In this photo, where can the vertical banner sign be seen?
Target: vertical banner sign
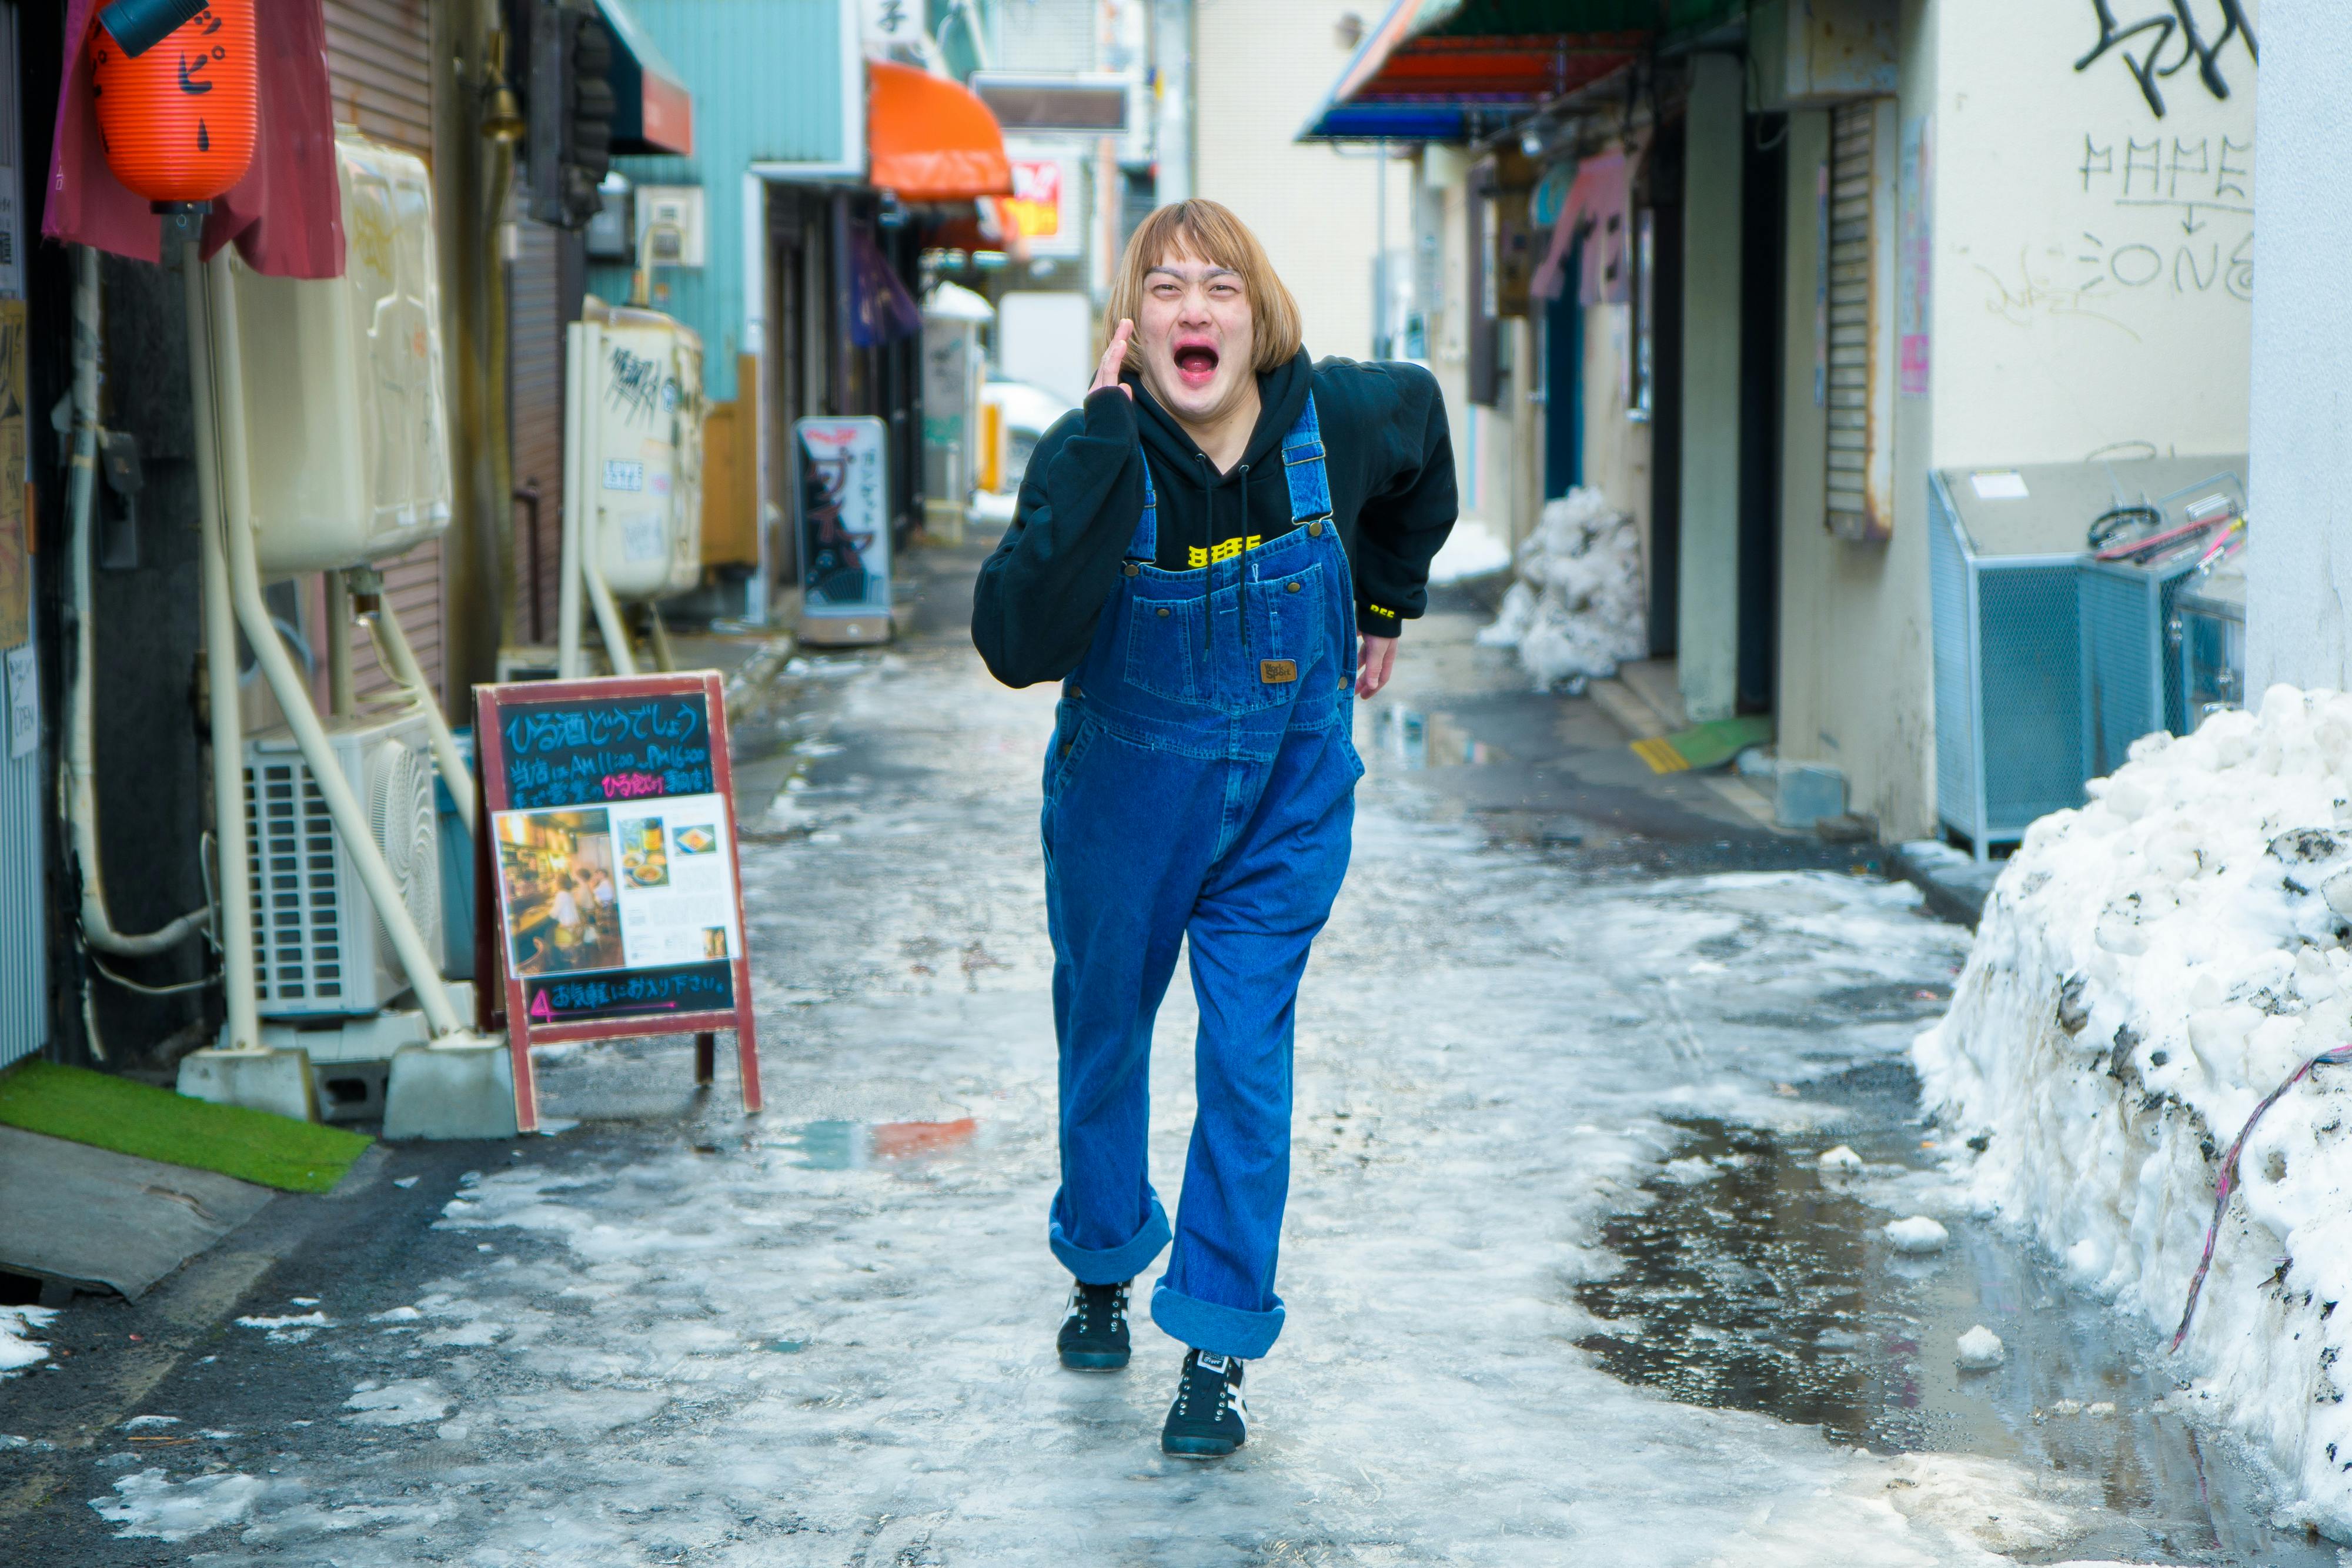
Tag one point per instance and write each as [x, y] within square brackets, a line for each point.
[841, 492]
[609, 808]
[1915, 256]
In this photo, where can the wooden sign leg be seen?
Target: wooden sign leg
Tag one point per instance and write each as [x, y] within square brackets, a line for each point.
[526, 1087]
[747, 1057]
[706, 1057]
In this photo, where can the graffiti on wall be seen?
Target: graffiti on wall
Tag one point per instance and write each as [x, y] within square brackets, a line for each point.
[2168, 41]
[2168, 218]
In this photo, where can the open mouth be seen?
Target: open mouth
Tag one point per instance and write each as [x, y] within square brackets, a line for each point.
[1196, 364]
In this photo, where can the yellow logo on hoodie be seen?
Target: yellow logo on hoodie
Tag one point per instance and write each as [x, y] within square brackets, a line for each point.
[1225, 551]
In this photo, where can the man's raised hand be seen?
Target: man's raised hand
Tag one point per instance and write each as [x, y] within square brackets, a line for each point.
[1106, 372]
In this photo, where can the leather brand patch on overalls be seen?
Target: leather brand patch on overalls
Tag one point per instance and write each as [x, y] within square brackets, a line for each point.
[1274, 672]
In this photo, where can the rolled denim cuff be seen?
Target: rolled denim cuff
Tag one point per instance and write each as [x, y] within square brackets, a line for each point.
[1220, 1330]
[1112, 1265]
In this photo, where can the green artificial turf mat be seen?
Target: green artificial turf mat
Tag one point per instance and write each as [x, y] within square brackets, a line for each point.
[110, 1113]
[1709, 745]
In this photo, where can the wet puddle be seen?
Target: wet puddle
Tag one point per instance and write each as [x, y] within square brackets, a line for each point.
[1752, 1282]
[860, 1146]
[1410, 739]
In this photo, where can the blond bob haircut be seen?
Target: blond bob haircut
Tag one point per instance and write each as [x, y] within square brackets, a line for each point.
[1208, 230]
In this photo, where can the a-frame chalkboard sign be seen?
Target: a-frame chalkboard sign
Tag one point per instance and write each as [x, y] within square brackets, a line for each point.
[608, 893]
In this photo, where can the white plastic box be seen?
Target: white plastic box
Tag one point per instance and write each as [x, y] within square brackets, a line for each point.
[643, 461]
[345, 412]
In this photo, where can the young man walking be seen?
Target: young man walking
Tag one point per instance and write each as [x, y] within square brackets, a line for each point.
[1215, 557]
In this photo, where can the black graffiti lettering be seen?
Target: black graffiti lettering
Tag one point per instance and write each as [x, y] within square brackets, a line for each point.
[2182, 151]
[2240, 279]
[2096, 160]
[2146, 264]
[635, 384]
[2149, 68]
[2144, 160]
[188, 84]
[2186, 261]
[2226, 176]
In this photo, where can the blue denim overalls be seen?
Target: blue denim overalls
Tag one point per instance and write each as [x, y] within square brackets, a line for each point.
[1200, 784]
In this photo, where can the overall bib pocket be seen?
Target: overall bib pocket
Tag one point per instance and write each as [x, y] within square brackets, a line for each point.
[1286, 639]
[1163, 647]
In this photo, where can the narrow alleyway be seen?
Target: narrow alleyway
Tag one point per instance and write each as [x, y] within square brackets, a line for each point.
[672, 1335]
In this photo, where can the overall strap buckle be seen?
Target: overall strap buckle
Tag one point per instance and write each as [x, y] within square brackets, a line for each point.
[1303, 465]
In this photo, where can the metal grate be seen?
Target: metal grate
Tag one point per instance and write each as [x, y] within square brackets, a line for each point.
[24, 929]
[2030, 685]
[297, 883]
[2131, 679]
[2010, 729]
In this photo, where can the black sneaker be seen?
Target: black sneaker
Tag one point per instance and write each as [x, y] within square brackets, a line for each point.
[1094, 1331]
[1208, 1420]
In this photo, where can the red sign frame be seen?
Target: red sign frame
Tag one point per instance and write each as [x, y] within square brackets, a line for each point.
[491, 942]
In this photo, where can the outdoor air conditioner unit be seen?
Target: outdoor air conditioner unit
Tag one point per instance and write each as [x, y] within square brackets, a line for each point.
[2006, 549]
[319, 948]
[2001, 556]
[2131, 664]
[643, 416]
[342, 382]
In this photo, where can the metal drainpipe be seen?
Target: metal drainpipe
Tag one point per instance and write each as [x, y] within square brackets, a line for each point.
[342, 691]
[79, 782]
[230, 852]
[253, 613]
[580, 342]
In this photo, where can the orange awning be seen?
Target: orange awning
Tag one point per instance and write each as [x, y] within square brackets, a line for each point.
[929, 140]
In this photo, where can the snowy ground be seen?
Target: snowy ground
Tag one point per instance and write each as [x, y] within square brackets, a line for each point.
[824, 1336]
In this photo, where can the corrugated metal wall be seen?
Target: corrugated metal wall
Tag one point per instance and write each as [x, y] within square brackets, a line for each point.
[766, 77]
[535, 419]
[24, 924]
[379, 67]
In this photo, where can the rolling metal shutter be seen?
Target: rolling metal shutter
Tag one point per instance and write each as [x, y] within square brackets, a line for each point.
[1860, 267]
[379, 68]
[535, 424]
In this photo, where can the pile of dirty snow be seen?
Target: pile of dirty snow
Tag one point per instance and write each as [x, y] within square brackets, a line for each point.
[1575, 611]
[2148, 968]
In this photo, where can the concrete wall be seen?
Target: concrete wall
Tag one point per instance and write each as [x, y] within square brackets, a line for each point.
[1616, 449]
[1708, 650]
[1258, 72]
[2298, 588]
[2065, 312]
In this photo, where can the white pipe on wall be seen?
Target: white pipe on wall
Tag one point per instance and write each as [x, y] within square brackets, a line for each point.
[231, 854]
[343, 691]
[392, 646]
[80, 782]
[579, 343]
[286, 681]
[608, 618]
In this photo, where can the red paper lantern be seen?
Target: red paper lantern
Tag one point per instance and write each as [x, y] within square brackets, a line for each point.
[180, 120]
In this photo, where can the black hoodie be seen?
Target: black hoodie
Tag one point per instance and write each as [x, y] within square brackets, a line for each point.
[1391, 462]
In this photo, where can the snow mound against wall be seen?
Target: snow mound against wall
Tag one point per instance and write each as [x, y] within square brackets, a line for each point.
[2148, 967]
[1576, 611]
